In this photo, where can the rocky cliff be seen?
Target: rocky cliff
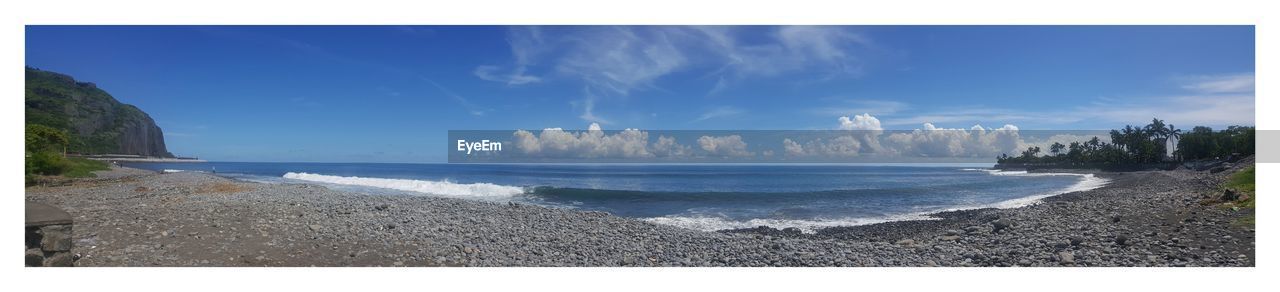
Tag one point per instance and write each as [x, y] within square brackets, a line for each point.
[96, 122]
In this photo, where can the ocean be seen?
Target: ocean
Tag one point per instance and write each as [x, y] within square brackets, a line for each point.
[697, 196]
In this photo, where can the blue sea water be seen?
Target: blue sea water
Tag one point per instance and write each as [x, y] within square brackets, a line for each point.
[698, 196]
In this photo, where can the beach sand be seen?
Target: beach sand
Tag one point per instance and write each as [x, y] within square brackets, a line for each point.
[129, 217]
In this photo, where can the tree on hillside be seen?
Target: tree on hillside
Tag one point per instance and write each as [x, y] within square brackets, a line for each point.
[44, 138]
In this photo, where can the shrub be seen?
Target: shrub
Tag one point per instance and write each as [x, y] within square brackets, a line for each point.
[47, 163]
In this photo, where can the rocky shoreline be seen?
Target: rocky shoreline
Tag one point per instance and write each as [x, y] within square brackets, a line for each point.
[136, 218]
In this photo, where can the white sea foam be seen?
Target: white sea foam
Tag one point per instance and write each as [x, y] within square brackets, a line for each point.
[1087, 182]
[711, 223]
[171, 170]
[444, 188]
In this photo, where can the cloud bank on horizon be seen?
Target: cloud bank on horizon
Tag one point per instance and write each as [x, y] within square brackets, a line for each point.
[853, 137]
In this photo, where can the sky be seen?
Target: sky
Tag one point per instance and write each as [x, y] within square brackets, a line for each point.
[391, 93]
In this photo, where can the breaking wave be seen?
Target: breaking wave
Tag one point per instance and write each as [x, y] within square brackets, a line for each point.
[710, 223]
[443, 188]
[1088, 181]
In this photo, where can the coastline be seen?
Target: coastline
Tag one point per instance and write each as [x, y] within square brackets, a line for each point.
[149, 160]
[193, 219]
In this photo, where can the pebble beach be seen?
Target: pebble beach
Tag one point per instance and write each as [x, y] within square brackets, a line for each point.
[130, 217]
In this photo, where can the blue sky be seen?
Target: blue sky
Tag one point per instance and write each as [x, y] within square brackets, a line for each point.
[390, 93]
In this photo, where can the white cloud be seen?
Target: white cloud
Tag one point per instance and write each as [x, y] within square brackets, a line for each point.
[842, 146]
[829, 50]
[471, 108]
[613, 62]
[619, 60]
[592, 143]
[595, 143]
[931, 141]
[859, 136]
[1213, 100]
[1220, 110]
[1205, 109]
[865, 129]
[720, 86]
[667, 147]
[719, 112]
[864, 122]
[865, 136]
[731, 145]
[588, 104]
[1232, 83]
[792, 148]
[516, 77]
[527, 45]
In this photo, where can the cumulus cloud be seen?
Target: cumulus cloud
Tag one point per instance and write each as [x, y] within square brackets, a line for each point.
[592, 143]
[932, 141]
[595, 143]
[843, 146]
[731, 145]
[856, 136]
[667, 147]
[866, 130]
[866, 136]
[860, 122]
[792, 148]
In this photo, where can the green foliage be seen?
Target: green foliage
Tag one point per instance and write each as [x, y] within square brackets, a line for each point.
[1243, 182]
[80, 167]
[1142, 145]
[1203, 142]
[44, 146]
[45, 138]
[47, 163]
[52, 163]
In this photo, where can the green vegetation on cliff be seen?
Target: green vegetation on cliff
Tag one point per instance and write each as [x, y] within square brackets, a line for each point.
[94, 122]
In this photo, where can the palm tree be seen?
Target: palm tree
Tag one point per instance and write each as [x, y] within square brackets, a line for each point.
[1157, 128]
[1175, 133]
[1056, 148]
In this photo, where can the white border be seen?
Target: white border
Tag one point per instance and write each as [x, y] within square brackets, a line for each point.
[19, 13]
